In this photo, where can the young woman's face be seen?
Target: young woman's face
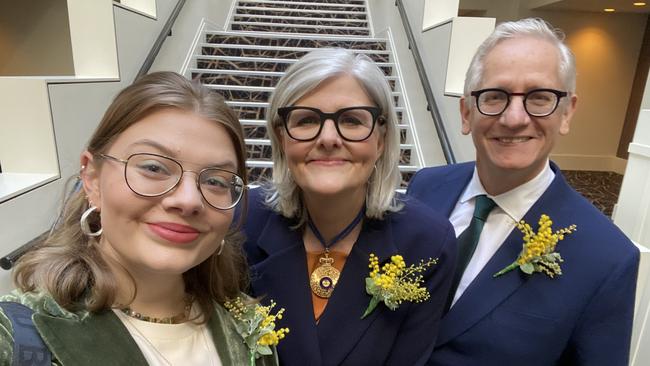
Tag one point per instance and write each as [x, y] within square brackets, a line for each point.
[176, 231]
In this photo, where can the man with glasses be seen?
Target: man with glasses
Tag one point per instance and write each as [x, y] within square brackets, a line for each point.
[527, 295]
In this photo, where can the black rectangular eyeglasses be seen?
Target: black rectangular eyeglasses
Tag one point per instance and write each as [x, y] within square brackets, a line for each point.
[352, 123]
[537, 102]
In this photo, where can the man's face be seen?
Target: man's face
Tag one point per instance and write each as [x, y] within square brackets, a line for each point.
[514, 146]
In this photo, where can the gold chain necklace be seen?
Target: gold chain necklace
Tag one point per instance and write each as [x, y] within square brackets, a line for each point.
[174, 319]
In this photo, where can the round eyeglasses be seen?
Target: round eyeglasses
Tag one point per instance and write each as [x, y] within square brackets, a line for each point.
[352, 124]
[537, 102]
[152, 175]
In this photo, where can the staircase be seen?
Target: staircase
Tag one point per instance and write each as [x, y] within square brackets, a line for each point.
[264, 38]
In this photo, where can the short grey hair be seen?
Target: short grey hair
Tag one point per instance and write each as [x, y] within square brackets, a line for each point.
[529, 27]
[307, 74]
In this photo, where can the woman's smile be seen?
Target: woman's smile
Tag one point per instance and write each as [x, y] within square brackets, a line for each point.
[175, 233]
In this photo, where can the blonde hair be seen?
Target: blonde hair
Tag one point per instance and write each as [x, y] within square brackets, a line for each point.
[308, 74]
[69, 265]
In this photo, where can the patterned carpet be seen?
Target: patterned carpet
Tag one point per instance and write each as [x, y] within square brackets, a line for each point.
[601, 188]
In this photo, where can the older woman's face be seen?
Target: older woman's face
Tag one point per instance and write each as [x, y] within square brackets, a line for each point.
[330, 165]
[172, 233]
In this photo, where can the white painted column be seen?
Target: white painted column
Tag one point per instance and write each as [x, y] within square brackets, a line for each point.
[632, 215]
[92, 35]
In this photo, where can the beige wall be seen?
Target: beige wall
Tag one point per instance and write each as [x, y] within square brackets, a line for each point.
[92, 35]
[26, 134]
[607, 48]
[147, 7]
[35, 38]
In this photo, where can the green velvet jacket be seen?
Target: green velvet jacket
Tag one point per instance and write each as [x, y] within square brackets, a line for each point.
[99, 339]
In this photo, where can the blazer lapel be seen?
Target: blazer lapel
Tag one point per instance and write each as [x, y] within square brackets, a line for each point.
[340, 327]
[283, 277]
[449, 189]
[98, 339]
[486, 292]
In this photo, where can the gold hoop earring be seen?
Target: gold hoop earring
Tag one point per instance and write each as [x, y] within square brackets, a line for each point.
[85, 227]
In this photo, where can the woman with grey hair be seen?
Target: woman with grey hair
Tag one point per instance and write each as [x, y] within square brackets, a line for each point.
[329, 239]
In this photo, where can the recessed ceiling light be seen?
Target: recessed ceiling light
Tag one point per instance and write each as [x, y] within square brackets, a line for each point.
[609, 10]
[638, 4]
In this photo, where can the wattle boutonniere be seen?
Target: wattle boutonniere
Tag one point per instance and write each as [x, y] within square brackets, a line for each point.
[256, 324]
[538, 253]
[395, 283]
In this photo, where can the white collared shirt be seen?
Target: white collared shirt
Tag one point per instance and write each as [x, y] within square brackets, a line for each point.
[511, 208]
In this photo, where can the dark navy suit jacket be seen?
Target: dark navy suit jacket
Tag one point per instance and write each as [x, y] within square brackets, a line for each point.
[583, 317]
[405, 336]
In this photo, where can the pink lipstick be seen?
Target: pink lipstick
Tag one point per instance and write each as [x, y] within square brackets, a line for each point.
[175, 233]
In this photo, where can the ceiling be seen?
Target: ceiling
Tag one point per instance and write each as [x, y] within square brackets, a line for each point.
[621, 6]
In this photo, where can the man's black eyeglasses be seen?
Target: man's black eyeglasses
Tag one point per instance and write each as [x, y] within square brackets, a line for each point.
[537, 102]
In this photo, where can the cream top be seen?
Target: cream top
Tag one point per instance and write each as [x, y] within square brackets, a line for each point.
[172, 344]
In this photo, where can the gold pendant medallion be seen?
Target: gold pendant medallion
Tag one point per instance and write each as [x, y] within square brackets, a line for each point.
[324, 278]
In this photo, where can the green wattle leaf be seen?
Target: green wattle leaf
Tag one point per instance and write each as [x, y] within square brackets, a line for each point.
[264, 350]
[374, 301]
[527, 268]
[370, 286]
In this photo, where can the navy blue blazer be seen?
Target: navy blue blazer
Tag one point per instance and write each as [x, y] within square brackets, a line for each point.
[405, 336]
[583, 317]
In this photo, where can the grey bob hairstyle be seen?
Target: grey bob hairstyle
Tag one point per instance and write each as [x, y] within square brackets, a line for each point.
[306, 75]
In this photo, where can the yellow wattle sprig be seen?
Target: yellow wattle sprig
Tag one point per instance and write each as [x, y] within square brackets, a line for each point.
[395, 282]
[256, 324]
[273, 338]
[538, 253]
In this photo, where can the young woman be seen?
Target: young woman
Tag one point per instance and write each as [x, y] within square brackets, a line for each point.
[146, 254]
[331, 205]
